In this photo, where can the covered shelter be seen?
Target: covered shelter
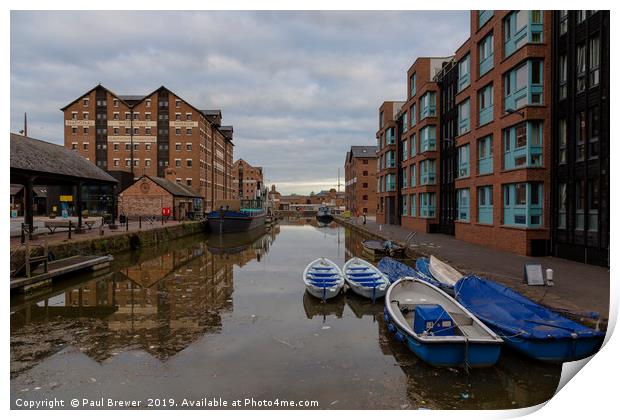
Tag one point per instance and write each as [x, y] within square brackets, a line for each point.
[42, 163]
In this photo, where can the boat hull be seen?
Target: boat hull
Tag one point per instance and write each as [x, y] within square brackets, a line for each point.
[553, 351]
[325, 218]
[233, 222]
[446, 354]
[324, 293]
[368, 292]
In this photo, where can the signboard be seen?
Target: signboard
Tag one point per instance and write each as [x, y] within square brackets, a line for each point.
[66, 198]
[533, 274]
[13, 214]
[165, 211]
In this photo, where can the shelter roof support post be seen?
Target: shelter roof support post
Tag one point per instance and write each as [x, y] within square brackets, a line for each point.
[28, 213]
[78, 204]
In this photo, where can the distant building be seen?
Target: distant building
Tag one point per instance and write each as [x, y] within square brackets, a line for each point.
[360, 169]
[330, 198]
[248, 181]
[134, 135]
[149, 196]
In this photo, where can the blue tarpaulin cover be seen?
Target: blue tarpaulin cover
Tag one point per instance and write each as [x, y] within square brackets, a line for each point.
[501, 307]
[395, 269]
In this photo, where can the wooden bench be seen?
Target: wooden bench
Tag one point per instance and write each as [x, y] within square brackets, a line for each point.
[52, 226]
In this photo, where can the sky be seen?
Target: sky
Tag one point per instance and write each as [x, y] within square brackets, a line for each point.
[299, 88]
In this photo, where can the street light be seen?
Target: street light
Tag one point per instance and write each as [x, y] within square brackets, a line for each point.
[512, 111]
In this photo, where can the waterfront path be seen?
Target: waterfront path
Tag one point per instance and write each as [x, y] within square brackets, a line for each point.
[578, 287]
[61, 235]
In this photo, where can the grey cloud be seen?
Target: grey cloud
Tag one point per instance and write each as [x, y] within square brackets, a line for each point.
[299, 87]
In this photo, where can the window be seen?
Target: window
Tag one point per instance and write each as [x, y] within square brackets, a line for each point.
[127, 146]
[521, 27]
[580, 136]
[74, 130]
[427, 205]
[595, 60]
[127, 163]
[188, 146]
[463, 117]
[381, 119]
[136, 116]
[147, 131]
[581, 16]
[127, 115]
[188, 116]
[405, 199]
[594, 130]
[389, 136]
[85, 130]
[405, 155]
[365, 173]
[523, 204]
[365, 185]
[115, 103]
[428, 140]
[85, 102]
[563, 21]
[84, 115]
[188, 181]
[117, 162]
[136, 131]
[563, 76]
[177, 116]
[412, 205]
[405, 121]
[147, 146]
[563, 155]
[74, 115]
[483, 17]
[147, 103]
[390, 182]
[485, 55]
[403, 178]
[580, 204]
[412, 112]
[116, 131]
[523, 145]
[413, 145]
[462, 207]
[147, 162]
[562, 206]
[136, 162]
[485, 155]
[523, 85]
[427, 172]
[463, 161]
[412, 175]
[427, 105]
[188, 131]
[177, 103]
[581, 68]
[177, 146]
[116, 115]
[188, 162]
[74, 146]
[177, 131]
[116, 146]
[485, 204]
[485, 105]
[127, 131]
[135, 146]
[593, 204]
[177, 163]
[412, 84]
[85, 146]
[464, 78]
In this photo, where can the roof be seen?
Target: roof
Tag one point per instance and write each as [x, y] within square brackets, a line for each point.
[211, 112]
[131, 97]
[364, 151]
[172, 187]
[52, 162]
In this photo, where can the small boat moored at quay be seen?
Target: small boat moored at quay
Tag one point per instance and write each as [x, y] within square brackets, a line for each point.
[237, 216]
[376, 249]
[437, 328]
[365, 279]
[443, 272]
[323, 279]
[324, 215]
[422, 266]
[525, 325]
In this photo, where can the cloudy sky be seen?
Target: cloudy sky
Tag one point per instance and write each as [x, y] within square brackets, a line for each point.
[299, 88]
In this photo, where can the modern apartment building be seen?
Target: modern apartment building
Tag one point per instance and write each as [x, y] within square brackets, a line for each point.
[580, 193]
[134, 135]
[247, 180]
[388, 193]
[522, 158]
[360, 169]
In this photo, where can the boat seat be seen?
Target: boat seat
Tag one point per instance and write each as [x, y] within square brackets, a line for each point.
[322, 274]
[469, 330]
[322, 268]
[358, 268]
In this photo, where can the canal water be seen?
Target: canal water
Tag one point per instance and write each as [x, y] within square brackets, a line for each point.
[210, 317]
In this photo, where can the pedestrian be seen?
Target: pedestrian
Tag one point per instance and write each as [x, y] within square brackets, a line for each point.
[364, 222]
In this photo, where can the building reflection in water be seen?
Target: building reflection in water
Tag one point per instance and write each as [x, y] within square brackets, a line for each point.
[156, 300]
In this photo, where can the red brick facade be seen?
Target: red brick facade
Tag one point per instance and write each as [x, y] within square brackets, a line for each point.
[360, 170]
[247, 180]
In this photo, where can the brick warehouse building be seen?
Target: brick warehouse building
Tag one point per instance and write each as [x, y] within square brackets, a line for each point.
[498, 144]
[248, 181]
[360, 169]
[130, 136]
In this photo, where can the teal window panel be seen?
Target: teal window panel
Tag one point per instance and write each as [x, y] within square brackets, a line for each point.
[428, 175]
[523, 85]
[412, 202]
[403, 178]
[390, 138]
[523, 145]
[485, 105]
[485, 155]
[428, 105]
[390, 182]
[483, 17]
[485, 204]
[485, 55]
[428, 140]
[463, 161]
[462, 204]
[464, 113]
[413, 176]
[523, 204]
[413, 114]
[414, 145]
[405, 151]
[413, 84]
[522, 27]
[405, 207]
[464, 73]
[427, 205]
[405, 122]
[390, 157]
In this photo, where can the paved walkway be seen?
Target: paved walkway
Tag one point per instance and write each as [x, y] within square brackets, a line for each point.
[61, 235]
[578, 287]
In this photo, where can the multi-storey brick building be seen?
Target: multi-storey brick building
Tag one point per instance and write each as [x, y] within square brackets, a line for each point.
[247, 181]
[491, 171]
[360, 169]
[388, 210]
[130, 136]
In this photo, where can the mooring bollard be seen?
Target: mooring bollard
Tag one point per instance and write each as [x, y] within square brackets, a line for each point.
[126, 224]
[69, 229]
[23, 236]
[139, 222]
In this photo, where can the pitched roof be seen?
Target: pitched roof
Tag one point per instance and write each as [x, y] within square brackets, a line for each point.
[364, 151]
[172, 187]
[37, 156]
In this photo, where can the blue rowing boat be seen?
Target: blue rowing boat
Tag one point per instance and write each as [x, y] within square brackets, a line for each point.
[438, 329]
[323, 279]
[525, 325]
[365, 279]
